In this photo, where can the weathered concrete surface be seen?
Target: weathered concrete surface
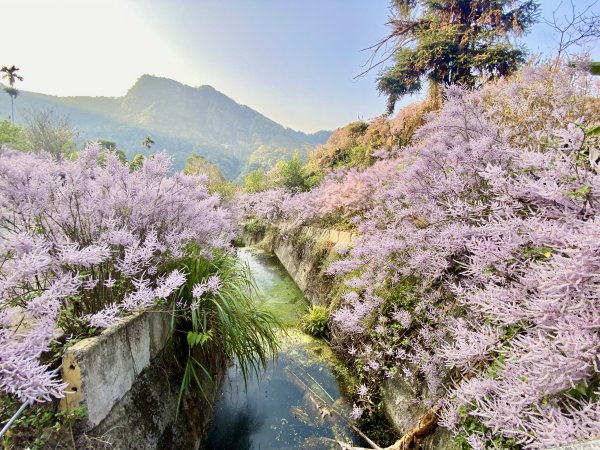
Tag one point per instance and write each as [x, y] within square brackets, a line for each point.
[102, 369]
[336, 237]
[146, 418]
[306, 272]
[403, 409]
[587, 445]
[301, 270]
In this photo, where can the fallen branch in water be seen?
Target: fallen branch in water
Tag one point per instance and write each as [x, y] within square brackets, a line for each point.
[413, 438]
[315, 395]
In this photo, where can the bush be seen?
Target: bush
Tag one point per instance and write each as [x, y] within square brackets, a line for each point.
[255, 226]
[84, 244]
[316, 322]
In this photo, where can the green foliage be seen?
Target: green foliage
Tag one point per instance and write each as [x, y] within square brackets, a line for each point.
[197, 164]
[350, 146]
[13, 136]
[291, 174]
[148, 142]
[39, 426]
[228, 324]
[10, 73]
[255, 226]
[453, 42]
[107, 146]
[403, 293]
[470, 425]
[593, 131]
[136, 162]
[256, 181]
[316, 322]
[226, 189]
[313, 178]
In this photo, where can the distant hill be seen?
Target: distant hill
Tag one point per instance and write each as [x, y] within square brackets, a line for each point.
[181, 119]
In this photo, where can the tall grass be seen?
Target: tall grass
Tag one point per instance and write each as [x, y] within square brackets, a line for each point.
[227, 324]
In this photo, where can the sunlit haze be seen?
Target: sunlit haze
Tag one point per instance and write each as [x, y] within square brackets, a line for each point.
[293, 61]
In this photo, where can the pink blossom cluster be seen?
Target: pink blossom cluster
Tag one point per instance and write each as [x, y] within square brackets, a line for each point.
[477, 268]
[93, 231]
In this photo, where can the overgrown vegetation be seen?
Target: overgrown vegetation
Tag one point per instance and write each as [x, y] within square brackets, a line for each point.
[88, 241]
[41, 426]
[217, 312]
[471, 241]
[316, 322]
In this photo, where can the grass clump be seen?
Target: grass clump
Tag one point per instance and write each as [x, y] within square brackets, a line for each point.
[221, 321]
[316, 322]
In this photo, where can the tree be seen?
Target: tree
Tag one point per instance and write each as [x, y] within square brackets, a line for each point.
[13, 136]
[111, 146]
[49, 132]
[199, 165]
[196, 165]
[148, 142]
[10, 73]
[256, 181]
[450, 41]
[291, 174]
[136, 162]
[576, 28]
[107, 144]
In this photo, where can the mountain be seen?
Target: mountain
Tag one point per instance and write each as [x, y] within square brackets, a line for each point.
[181, 119]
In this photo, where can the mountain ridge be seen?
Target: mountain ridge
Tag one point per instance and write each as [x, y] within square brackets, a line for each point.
[181, 119]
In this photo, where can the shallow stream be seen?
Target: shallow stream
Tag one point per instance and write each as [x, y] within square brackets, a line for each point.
[290, 406]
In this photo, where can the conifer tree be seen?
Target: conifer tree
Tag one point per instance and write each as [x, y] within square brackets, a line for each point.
[451, 41]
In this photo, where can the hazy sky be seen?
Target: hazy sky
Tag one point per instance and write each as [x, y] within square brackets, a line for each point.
[292, 60]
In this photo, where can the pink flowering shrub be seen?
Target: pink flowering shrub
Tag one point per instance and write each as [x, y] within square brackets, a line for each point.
[83, 243]
[476, 269]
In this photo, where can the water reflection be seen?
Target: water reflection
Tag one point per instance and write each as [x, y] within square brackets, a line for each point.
[290, 405]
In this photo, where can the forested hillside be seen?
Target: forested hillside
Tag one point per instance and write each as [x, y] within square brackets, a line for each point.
[181, 119]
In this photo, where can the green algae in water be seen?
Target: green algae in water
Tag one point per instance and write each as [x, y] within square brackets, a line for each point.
[288, 406]
[276, 289]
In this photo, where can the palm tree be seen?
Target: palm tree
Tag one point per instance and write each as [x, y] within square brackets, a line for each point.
[10, 73]
[148, 142]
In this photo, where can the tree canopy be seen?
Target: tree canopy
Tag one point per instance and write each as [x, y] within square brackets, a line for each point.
[451, 41]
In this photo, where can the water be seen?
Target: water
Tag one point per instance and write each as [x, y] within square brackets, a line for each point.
[291, 405]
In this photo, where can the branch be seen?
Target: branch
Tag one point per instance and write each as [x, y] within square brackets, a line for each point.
[578, 28]
[403, 34]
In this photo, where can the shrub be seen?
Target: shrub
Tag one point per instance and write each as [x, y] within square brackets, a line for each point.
[474, 269]
[255, 226]
[316, 322]
[83, 244]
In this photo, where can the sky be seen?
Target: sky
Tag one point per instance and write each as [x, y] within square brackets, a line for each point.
[294, 61]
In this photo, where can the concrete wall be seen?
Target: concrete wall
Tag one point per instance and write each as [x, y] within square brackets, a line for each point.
[588, 445]
[304, 270]
[401, 400]
[102, 369]
[336, 237]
